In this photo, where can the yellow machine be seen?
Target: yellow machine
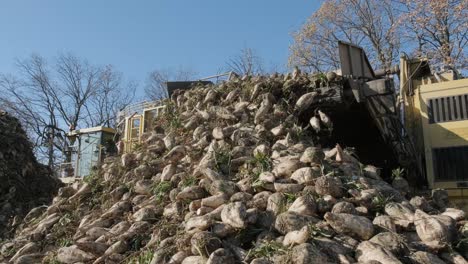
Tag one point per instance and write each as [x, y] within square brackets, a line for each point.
[424, 122]
[137, 119]
[436, 113]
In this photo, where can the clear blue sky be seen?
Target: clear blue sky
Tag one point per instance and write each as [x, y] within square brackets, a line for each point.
[139, 36]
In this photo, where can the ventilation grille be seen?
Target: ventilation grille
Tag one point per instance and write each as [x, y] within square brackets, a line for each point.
[450, 164]
[447, 109]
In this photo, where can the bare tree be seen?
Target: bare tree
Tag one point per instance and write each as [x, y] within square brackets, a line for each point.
[51, 100]
[31, 98]
[155, 88]
[440, 28]
[245, 63]
[368, 23]
[111, 95]
[78, 82]
[433, 28]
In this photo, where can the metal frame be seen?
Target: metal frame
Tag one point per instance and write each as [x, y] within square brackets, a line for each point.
[354, 61]
[141, 114]
[380, 99]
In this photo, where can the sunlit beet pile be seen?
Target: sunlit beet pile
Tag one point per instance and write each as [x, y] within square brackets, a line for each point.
[231, 175]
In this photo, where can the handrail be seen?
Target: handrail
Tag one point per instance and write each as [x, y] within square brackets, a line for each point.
[216, 76]
[137, 107]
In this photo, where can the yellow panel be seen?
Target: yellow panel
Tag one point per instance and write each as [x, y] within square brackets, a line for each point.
[446, 185]
[133, 130]
[444, 88]
[448, 134]
[443, 134]
[454, 192]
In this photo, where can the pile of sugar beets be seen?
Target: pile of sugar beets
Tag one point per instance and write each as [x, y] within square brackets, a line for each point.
[24, 182]
[230, 175]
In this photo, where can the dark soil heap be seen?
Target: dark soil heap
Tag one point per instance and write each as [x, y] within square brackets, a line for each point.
[230, 175]
[24, 183]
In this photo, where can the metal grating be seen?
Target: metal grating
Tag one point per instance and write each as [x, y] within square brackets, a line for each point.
[450, 164]
[447, 109]
[138, 108]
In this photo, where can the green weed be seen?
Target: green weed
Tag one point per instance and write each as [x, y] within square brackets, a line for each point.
[190, 181]
[379, 202]
[262, 162]
[290, 197]
[350, 183]
[267, 250]
[316, 231]
[398, 173]
[64, 242]
[258, 184]
[171, 116]
[51, 259]
[161, 190]
[223, 159]
[143, 258]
